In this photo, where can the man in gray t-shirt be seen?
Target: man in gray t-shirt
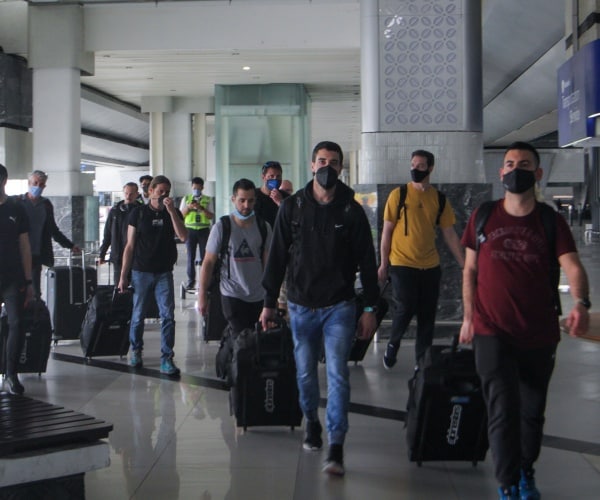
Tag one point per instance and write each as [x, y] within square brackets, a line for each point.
[242, 267]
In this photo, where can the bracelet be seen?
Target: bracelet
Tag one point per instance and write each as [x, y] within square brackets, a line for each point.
[369, 309]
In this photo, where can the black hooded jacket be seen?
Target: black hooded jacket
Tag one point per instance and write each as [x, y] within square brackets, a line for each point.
[324, 246]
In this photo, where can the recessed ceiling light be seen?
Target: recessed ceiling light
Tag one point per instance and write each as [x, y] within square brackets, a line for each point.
[246, 68]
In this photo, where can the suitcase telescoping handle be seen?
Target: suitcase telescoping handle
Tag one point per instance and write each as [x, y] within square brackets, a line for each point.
[278, 330]
[70, 259]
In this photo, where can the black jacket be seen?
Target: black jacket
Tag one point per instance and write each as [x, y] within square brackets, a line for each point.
[324, 246]
[115, 231]
[50, 231]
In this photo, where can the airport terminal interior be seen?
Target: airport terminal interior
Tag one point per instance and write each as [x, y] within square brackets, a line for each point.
[141, 80]
[176, 439]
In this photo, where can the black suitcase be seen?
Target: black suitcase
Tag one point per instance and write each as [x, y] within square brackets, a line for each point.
[37, 332]
[214, 321]
[105, 328]
[68, 298]
[446, 417]
[263, 373]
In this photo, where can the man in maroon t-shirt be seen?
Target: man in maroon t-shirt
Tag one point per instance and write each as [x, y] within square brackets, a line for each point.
[510, 315]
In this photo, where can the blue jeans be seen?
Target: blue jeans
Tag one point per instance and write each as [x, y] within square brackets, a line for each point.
[144, 285]
[336, 325]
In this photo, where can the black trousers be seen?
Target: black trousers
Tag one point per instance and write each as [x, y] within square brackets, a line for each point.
[415, 292]
[196, 240]
[515, 387]
[240, 314]
[13, 299]
[36, 275]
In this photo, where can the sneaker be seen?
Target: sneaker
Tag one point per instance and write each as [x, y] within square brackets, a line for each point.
[14, 386]
[191, 285]
[334, 464]
[312, 436]
[135, 360]
[389, 358]
[527, 488]
[511, 493]
[167, 366]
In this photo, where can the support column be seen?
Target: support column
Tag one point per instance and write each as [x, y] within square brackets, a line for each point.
[421, 88]
[57, 58]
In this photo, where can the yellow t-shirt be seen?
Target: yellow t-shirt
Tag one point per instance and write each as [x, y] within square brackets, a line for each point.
[413, 237]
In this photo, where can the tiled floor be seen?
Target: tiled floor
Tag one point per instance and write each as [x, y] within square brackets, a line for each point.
[175, 439]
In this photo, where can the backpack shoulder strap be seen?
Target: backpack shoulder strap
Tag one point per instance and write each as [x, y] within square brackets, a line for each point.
[226, 226]
[441, 206]
[481, 217]
[262, 227]
[402, 205]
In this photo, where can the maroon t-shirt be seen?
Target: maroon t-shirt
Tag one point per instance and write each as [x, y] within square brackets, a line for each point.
[514, 296]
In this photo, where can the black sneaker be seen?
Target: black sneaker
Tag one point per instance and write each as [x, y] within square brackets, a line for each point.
[312, 436]
[334, 464]
[191, 285]
[14, 386]
[389, 358]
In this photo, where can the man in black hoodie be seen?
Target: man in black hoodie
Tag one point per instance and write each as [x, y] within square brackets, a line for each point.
[322, 234]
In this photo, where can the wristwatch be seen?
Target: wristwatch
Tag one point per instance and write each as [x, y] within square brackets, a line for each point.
[585, 302]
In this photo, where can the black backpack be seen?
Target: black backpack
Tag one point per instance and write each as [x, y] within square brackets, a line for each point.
[402, 205]
[548, 221]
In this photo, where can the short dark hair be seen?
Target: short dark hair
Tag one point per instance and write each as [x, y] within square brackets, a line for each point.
[131, 185]
[271, 164]
[244, 185]
[159, 179]
[524, 146]
[425, 154]
[145, 178]
[3, 173]
[198, 180]
[329, 146]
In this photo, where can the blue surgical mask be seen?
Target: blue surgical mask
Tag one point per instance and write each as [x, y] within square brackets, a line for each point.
[273, 184]
[197, 192]
[240, 216]
[35, 191]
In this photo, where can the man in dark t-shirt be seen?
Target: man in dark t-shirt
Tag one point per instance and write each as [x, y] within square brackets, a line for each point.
[150, 254]
[15, 277]
[511, 316]
[269, 196]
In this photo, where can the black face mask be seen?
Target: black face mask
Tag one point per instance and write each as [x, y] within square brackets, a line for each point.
[518, 181]
[419, 175]
[326, 177]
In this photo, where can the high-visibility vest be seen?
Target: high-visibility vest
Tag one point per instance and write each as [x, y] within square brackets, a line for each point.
[194, 218]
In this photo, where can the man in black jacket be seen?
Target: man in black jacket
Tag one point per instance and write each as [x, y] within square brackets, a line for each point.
[322, 234]
[115, 229]
[42, 228]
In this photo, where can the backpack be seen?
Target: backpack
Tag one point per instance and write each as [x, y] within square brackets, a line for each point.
[224, 248]
[401, 204]
[548, 221]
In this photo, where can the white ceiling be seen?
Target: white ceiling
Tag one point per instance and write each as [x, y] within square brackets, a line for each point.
[522, 46]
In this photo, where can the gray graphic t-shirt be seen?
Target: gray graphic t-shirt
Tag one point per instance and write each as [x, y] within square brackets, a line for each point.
[242, 269]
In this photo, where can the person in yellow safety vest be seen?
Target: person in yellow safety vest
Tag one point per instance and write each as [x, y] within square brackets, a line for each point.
[198, 212]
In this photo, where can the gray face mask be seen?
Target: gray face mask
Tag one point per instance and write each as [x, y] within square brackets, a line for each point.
[326, 177]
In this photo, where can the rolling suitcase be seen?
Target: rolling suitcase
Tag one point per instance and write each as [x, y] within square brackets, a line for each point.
[68, 289]
[446, 417]
[105, 328]
[263, 373]
[214, 321]
[37, 332]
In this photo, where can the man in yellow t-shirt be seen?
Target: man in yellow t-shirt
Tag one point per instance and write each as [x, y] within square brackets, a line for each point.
[409, 255]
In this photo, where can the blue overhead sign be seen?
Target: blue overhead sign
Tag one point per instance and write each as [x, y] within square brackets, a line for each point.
[579, 95]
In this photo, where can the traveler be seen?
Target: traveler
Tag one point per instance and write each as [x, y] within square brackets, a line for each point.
[511, 314]
[42, 228]
[115, 229]
[145, 181]
[15, 277]
[323, 237]
[150, 255]
[198, 212]
[410, 257]
[270, 196]
[242, 266]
